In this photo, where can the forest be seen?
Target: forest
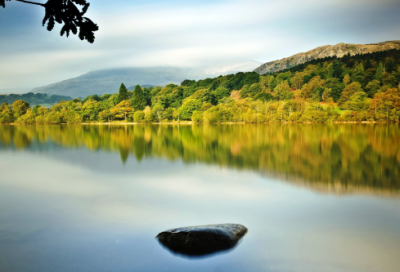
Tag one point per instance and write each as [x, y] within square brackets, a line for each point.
[353, 88]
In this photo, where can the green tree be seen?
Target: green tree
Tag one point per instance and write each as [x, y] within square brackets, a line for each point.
[188, 107]
[42, 111]
[197, 117]
[384, 104]
[53, 117]
[264, 97]
[122, 110]
[6, 114]
[379, 72]
[335, 70]
[220, 93]
[336, 86]
[90, 110]
[19, 108]
[389, 80]
[369, 76]
[138, 116]
[307, 90]
[327, 95]
[264, 82]
[298, 80]
[346, 80]
[105, 115]
[148, 114]
[123, 93]
[158, 112]
[138, 99]
[36, 108]
[357, 102]
[317, 93]
[212, 115]
[372, 88]
[204, 96]
[358, 74]
[72, 117]
[282, 91]
[348, 92]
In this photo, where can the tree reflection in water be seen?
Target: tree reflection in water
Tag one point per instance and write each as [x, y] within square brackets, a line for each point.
[338, 158]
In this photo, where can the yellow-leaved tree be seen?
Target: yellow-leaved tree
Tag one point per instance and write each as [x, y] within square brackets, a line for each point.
[122, 110]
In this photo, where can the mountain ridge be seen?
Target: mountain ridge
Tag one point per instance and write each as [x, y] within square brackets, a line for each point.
[338, 50]
[108, 80]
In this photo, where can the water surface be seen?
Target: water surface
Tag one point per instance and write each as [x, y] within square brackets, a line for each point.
[92, 198]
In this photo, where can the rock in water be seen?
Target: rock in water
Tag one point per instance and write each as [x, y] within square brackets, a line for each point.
[202, 240]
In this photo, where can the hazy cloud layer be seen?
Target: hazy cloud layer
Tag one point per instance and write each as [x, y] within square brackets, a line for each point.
[178, 33]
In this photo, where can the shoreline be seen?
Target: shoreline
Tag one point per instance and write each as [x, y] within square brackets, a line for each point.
[194, 123]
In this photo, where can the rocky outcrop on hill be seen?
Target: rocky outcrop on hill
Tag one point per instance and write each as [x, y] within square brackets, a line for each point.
[338, 50]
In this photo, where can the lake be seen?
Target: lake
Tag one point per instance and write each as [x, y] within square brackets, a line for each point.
[93, 198]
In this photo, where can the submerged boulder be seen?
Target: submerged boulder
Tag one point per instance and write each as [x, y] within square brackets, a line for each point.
[202, 240]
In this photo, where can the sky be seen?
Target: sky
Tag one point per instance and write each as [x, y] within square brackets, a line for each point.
[135, 33]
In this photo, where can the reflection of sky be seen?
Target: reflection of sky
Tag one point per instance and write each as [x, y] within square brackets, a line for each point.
[59, 216]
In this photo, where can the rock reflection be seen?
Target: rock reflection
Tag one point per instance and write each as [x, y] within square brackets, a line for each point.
[336, 158]
[205, 253]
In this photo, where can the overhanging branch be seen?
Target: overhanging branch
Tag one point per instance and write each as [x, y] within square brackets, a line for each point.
[29, 2]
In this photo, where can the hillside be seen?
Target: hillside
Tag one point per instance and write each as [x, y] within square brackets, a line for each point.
[338, 50]
[363, 87]
[108, 80]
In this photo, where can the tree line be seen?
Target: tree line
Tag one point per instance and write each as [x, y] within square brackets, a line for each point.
[352, 88]
[33, 99]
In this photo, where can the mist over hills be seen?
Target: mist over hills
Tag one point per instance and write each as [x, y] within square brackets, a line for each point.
[108, 80]
[338, 50]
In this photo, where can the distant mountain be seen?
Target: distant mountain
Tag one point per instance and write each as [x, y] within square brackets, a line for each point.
[108, 81]
[338, 50]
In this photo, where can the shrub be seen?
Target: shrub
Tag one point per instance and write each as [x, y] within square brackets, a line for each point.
[197, 116]
[138, 116]
[295, 116]
[315, 116]
[212, 115]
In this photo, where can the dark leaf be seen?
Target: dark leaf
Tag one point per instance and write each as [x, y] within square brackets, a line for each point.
[84, 9]
[3, 3]
[66, 12]
[58, 19]
[73, 28]
[63, 30]
[80, 2]
[46, 17]
[73, 10]
[50, 24]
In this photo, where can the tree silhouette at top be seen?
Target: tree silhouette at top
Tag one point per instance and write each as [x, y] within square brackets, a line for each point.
[66, 12]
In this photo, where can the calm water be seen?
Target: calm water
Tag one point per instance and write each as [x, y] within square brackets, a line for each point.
[92, 198]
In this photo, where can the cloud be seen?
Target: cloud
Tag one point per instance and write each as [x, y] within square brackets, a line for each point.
[181, 33]
[133, 196]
